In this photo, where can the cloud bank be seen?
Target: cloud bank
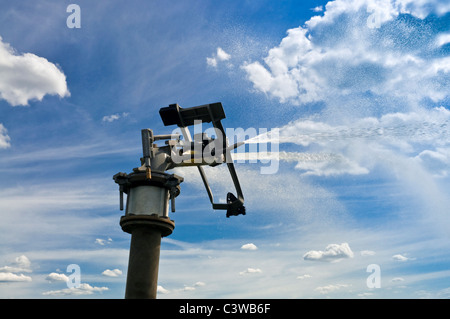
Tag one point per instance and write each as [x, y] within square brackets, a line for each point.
[27, 77]
[11, 277]
[20, 265]
[84, 289]
[361, 52]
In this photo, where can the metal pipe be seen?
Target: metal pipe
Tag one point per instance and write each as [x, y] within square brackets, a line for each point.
[143, 263]
[232, 147]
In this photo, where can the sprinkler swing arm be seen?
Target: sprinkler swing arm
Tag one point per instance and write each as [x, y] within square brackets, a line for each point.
[201, 150]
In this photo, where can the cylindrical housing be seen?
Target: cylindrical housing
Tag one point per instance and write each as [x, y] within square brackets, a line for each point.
[148, 200]
[146, 219]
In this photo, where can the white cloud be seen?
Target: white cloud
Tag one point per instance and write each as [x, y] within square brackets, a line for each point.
[112, 273]
[384, 9]
[211, 61]
[442, 39]
[110, 118]
[26, 77]
[186, 288]
[436, 161]
[57, 277]
[20, 264]
[397, 279]
[114, 117]
[305, 276]
[103, 242]
[162, 290]
[220, 56]
[83, 289]
[330, 288]
[249, 246]
[332, 253]
[199, 284]
[399, 257]
[367, 253]
[250, 271]
[317, 9]
[23, 263]
[10, 277]
[4, 138]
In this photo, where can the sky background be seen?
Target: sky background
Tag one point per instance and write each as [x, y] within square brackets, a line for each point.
[359, 90]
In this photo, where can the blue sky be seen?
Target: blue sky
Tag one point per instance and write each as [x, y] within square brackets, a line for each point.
[359, 90]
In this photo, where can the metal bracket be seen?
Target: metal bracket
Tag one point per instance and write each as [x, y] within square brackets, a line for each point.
[122, 180]
[173, 184]
[214, 113]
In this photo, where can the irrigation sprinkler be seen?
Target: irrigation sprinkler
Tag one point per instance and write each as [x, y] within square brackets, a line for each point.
[150, 188]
